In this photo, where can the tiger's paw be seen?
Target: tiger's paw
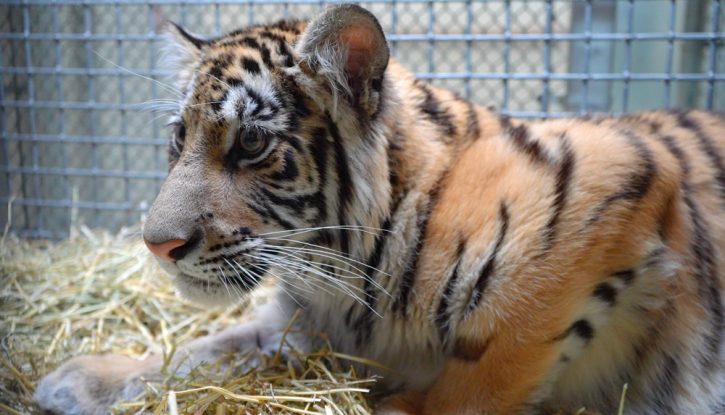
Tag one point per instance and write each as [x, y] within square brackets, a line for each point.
[90, 385]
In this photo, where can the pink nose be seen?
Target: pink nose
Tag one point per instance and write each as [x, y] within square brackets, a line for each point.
[167, 250]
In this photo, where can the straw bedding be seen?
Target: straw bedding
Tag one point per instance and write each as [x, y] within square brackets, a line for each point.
[98, 292]
[102, 293]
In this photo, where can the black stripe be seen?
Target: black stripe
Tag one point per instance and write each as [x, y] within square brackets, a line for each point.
[581, 328]
[250, 65]
[265, 211]
[345, 187]
[443, 314]
[705, 264]
[254, 44]
[563, 178]
[319, 150]
[707, 147]
[266, 56]
[288, 57]
[627, 276]
[249, 42]
[639, 181]
[233, 81]
[294, 142]
[272, 36]
[290, 170]
[261, 103]
[282, 48]
[365, 321]
[215, 72]
[522, 140]
[473, 127]
[263, 50]
[376, 85]
[706, 273]
[436, 113]
[663, 388]
[400, 304]
[222, 257]
[490, 266]
[297, 203]
[287, 26]
[296, 101]
[605, 292]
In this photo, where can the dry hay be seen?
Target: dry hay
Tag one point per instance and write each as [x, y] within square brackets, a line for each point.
[98, 293]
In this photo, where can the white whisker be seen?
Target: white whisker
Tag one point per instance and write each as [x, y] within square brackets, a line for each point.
[330, 255]
[352, 275]
[241, 279]
[259, 277]
[299, 231]
[168, 87]
[223, 280]
[345, 287]
[165, 106]
[244, 270]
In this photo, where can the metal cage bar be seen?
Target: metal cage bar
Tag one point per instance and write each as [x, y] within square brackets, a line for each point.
[76, 76]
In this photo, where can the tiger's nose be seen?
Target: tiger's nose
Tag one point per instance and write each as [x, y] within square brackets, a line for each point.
[174, 249]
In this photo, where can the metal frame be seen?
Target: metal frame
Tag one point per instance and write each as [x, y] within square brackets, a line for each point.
[24, 181]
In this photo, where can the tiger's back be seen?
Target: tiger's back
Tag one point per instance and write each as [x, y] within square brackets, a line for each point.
[588, 252]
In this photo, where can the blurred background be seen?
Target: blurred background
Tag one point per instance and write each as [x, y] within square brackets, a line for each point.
[80, 147]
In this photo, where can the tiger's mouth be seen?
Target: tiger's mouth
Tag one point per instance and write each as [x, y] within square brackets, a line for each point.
[196, 281]
[296, 260]
[217, 290]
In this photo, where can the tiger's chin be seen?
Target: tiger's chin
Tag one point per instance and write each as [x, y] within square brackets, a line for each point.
[207, 293]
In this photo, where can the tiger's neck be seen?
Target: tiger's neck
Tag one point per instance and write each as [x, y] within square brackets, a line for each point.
[391, 205]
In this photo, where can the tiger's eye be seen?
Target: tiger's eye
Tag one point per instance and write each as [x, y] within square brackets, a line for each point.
[253, 143]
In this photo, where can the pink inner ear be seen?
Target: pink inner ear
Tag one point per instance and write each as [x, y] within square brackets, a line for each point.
[360, 43]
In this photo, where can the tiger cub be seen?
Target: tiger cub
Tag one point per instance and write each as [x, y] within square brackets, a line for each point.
[496, 266]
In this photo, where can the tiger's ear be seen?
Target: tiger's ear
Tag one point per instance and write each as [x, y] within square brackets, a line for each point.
[346, 45]
[181, 53]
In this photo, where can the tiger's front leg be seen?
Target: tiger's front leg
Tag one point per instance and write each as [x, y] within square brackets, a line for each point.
[91, 384]
[501, 377]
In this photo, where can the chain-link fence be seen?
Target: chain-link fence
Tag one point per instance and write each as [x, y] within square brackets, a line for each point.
[77, 146]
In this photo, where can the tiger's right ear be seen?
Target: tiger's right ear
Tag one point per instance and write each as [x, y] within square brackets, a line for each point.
[182, 53]
[347, 47]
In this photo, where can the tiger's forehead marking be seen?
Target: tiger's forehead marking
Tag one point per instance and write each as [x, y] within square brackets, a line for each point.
[236, 82]
[254, 103]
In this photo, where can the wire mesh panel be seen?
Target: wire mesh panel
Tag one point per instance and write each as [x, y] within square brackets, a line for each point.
[78, 147]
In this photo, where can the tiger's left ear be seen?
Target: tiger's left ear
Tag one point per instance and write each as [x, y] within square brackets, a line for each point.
[347, 46]
[181, 54]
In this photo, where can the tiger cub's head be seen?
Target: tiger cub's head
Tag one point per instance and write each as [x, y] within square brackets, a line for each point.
[276, 144]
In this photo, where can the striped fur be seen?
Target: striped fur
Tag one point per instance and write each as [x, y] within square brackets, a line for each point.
[496, 265]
